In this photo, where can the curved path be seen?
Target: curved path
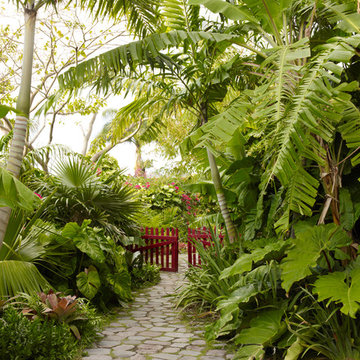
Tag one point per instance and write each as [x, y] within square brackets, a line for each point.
[152, 329]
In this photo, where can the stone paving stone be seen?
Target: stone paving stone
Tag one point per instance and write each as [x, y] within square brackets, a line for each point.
[149, 349]
[170, 350]
[190, 352]
[151, 328]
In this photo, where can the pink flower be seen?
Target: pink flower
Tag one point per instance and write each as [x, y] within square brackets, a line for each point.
[38, 195]
[189, 213]
[147, 185]
[137, 186]
[176, 188]
[172, 183]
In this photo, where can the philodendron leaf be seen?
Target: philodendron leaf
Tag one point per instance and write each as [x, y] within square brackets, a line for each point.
[307, 250]
[263, 328]
[245, 261]
[341, 288]
[250, 352]
[120, 282]
[85, 241]
[88, 282]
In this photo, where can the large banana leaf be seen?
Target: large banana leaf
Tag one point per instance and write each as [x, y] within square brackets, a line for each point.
[101, 69]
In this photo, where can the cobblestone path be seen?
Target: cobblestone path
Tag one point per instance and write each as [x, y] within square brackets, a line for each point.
[152, 329]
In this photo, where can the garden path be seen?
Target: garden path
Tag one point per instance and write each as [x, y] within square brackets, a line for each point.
[151, 328]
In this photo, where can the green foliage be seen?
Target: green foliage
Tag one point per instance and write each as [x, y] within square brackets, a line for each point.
[86, 239]
[79, 194]
[144, 275]
[311, 244]
[24, 339]
[338, 288]
[14, 194]
[88, 282]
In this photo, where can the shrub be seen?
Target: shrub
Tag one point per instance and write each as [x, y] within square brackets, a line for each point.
[145, 275]
[21, 338]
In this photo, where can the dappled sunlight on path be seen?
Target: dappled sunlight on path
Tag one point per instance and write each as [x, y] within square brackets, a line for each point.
[152, 329]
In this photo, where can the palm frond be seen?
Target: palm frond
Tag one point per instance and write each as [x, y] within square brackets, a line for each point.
[142, 15]
[179, 15]
[102, 69]
[20, 277]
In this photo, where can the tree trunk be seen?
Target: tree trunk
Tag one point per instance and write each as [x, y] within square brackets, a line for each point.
[139, 164]
[88, 134]
[215, 175]
[216, 179]
[23, 105]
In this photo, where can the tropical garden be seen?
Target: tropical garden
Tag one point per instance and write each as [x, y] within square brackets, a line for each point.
[261, 99]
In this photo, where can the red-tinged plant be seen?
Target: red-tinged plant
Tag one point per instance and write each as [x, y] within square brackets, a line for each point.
[53, 306]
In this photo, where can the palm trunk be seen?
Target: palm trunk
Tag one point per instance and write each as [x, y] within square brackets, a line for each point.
[23, 105]
[215, 175]
[216, 179]
[88, 134]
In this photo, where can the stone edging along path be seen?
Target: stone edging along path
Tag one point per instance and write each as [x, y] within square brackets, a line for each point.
[151, 328]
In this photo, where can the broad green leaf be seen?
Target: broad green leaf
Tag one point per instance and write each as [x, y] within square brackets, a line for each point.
[347, 212]
[250, 352]
[14, 193]
[263, 328]
[295, 350]
[338, 288]
[120, 282]
[231, 11]
[88, 282]
[240, 295]
[4, 110]
[84, 240]
[245, 261]
[310, 244]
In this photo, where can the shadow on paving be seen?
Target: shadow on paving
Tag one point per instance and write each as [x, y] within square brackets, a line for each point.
[152, 329]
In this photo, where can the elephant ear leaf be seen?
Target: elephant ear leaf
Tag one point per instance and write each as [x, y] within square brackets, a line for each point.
[88, 282]
[310, 244]
[245, 261]
[120, 282]
[86, 241]
[340, 287]
[265, 327]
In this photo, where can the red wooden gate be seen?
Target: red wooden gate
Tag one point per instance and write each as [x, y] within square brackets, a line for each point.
[162, 248]
[195, 236]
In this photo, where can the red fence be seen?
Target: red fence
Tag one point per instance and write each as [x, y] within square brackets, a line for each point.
[195, 236]
[161, 248]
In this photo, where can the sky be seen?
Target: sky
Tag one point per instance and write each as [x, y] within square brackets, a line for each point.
[67, 131]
